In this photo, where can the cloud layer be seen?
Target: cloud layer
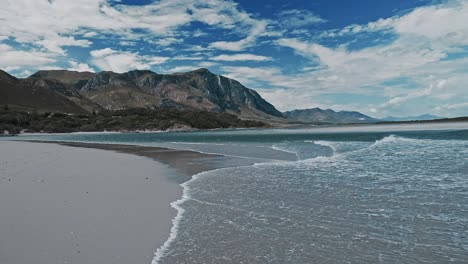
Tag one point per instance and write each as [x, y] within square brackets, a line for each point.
[411, 62]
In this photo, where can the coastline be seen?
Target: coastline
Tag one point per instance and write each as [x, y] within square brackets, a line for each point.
[156, 188]
[187, 162]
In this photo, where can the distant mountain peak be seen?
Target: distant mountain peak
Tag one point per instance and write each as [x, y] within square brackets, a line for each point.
[7, 78]
[64, 76]
[422, 117]
[202, 70]
[317, 115]
[140, 72]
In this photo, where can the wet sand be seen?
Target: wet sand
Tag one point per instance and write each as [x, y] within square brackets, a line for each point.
[187, 163]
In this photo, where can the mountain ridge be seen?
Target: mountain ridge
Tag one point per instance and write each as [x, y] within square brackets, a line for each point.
[199, 90]
[423, 117]
[318, 115]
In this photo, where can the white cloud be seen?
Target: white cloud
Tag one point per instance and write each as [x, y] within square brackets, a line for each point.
[424, 39]
[444, 23]
[183, 69]
[452, 109]
[419, 53]
[90, 34]
[196, 48]
[433, 90]
[12, 58]
[198, 33]
[102, 52]
[189, 58]
[284, 91]
[207, 64]
[80, 67]
[187, 68]
[241, 57]
[127, 43]
[55, 43]
[167, 41]
[122, 61]
[297, 18]
[54, 24]
[455, 106]
[259, 28]
[251, 75]
[285, 100]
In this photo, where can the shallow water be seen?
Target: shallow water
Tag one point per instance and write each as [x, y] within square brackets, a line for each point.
[329, 197]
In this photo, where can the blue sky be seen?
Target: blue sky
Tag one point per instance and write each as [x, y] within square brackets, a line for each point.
[389, 57]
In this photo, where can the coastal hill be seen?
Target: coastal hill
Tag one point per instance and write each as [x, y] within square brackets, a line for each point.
[317, 115]
[40, 94]
[86, 92]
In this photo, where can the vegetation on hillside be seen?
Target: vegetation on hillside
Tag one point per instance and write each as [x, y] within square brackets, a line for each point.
[442, 120]
[122, 120]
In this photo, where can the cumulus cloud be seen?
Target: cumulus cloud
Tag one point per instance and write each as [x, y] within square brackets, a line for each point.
[24, 20]
[55, 43]
[423, 48]
[80, 67]
[120, 61]
[13, 59]
[424, 39]
[444, 23]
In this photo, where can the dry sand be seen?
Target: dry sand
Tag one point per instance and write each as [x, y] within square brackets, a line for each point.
[60, 204]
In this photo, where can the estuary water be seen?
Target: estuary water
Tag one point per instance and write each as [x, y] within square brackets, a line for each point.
[375, 195]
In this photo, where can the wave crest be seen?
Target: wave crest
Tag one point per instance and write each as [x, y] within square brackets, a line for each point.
[393, 139]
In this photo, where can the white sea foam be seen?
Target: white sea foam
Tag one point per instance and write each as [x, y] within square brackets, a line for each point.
[324, 159]
[324, 143]
[188, 148]
[278, 147]
[164, 249]
[393, 139]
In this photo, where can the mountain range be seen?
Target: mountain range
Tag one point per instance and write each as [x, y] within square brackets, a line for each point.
[85, 92]
[412, 118]
[200, 90]
[317, 115]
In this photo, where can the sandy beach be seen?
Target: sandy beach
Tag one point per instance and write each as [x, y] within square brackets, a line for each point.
[62, 204]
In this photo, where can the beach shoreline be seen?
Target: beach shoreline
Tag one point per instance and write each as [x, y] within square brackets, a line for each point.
[187, 162]
[161, 173]
[63, 204]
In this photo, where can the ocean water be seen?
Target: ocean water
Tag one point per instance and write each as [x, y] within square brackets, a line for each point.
[337, 196]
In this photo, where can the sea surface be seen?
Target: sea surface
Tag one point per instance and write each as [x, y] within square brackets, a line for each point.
[367, 195]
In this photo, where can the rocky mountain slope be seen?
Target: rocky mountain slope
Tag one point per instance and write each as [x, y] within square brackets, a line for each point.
[77, 92]
[317, 115]
[38, 94]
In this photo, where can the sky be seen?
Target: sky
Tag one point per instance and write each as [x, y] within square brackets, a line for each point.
[382, 58]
